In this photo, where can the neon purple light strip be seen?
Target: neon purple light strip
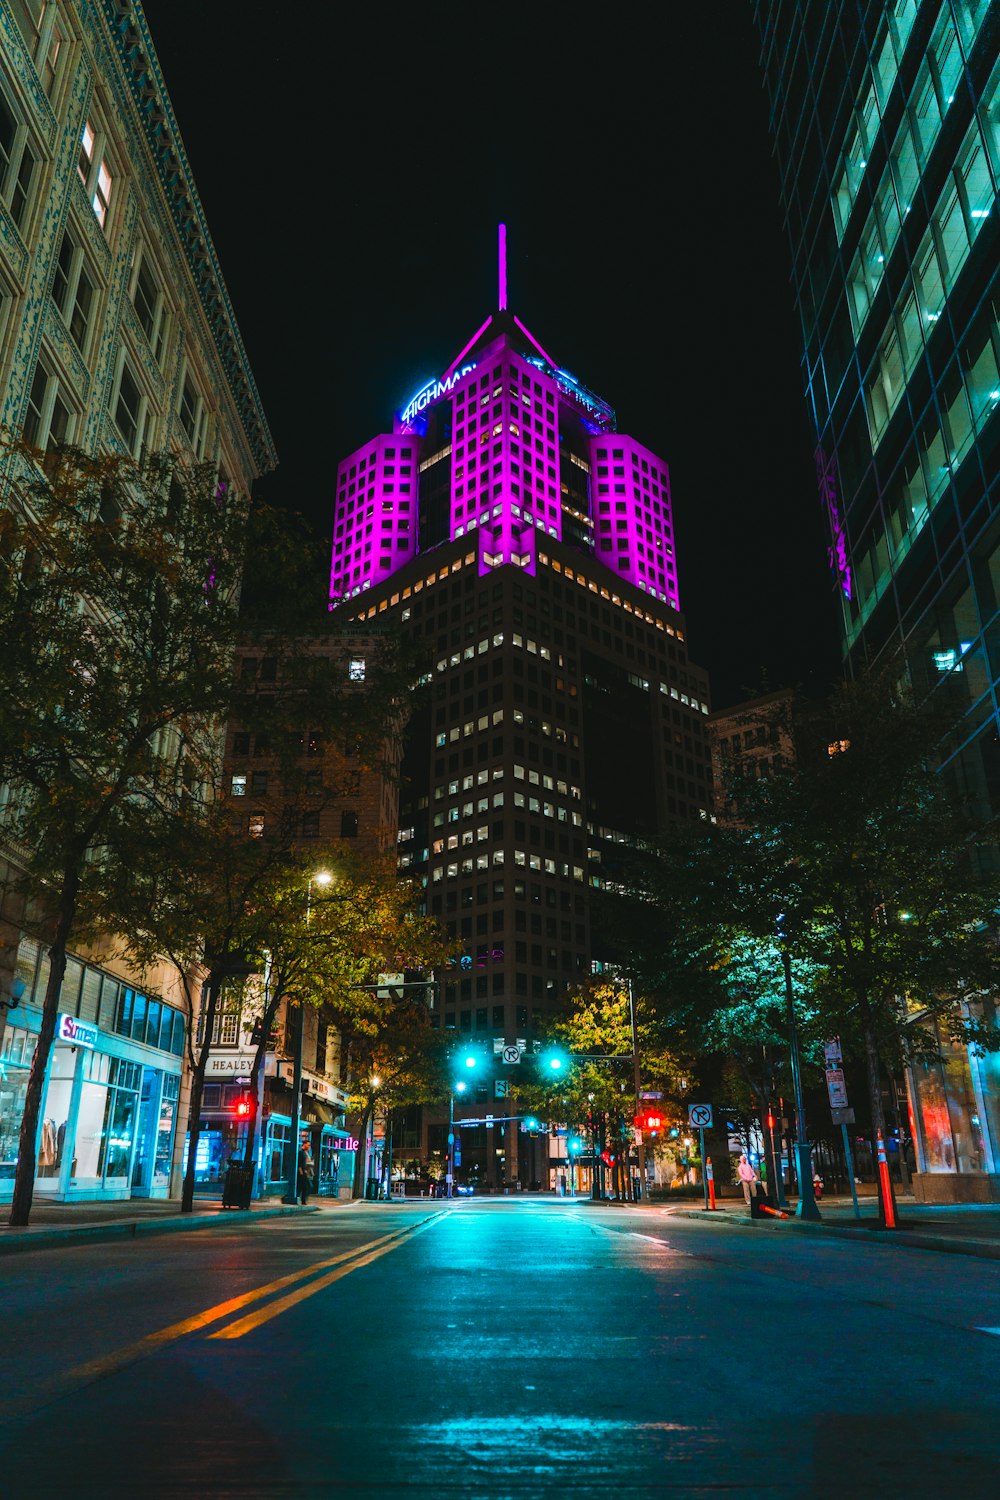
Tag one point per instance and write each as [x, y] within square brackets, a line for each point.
[528, 335]
[502, 267]
[458, 359]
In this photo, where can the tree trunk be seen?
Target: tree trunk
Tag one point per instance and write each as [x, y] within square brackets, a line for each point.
[197, 1088]
[361, 1155]
[24, 1181]
[875, 1102]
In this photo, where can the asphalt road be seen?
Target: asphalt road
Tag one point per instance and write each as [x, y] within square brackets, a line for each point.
[498, 1349]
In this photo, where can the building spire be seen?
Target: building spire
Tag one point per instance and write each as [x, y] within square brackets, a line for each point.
[502, 267]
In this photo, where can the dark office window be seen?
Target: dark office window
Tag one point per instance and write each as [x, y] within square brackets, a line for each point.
[348, 825]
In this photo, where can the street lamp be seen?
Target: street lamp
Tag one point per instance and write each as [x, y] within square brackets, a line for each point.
[322, 878]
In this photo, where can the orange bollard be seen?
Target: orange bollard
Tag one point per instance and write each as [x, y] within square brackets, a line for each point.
[711, 1182]
[883, 1175]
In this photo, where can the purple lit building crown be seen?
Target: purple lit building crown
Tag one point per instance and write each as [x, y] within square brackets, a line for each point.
[507, 445]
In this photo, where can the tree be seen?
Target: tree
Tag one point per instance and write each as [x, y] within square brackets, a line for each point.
[857, 864]
[595, 1094]
[119, 597]
[397, 1060]
[328, 949]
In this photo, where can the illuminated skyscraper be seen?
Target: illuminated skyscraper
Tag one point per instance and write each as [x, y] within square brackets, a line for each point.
[528, 546]
[886, 121]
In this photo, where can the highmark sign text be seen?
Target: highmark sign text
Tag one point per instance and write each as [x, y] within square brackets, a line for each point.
[431, 391]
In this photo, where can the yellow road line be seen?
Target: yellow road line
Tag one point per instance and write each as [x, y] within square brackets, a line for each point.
[108, 1364]
[274, 1309]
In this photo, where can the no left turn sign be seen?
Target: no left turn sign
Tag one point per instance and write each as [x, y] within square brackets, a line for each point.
[700, 1116]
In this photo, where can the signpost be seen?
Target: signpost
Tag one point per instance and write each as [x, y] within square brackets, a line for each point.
[700, 1118]
[842, 1115]
[831, 1049]
[836, 1088]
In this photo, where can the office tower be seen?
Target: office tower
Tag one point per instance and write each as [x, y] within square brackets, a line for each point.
[527, 545]
[886, 123]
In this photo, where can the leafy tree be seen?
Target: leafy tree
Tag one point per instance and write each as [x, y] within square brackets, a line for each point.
[330, 952]
[858, 864]
[596, 1095]
[396, 1060]
[119, 596]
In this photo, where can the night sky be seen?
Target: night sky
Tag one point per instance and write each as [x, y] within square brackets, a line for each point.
[353, 165]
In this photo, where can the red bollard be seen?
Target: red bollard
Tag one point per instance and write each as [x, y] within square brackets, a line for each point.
[710, 1176]
[883, 1175]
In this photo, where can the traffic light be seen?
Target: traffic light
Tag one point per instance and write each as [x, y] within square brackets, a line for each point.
[574, 1145]
[531, 1125]
[650, 1122]
[554, 1063]
[470, 1060]
[674, 1132]
[243, 1107]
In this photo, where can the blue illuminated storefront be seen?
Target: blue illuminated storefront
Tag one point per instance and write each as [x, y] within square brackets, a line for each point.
[109, 1104]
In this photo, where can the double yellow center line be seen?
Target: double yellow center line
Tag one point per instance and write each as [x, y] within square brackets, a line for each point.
[109, 1364]
[363, 1255]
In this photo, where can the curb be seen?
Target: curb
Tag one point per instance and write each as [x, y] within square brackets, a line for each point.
[12, 1241]
[911, 1239]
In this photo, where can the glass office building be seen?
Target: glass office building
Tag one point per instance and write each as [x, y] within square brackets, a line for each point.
[886, 122]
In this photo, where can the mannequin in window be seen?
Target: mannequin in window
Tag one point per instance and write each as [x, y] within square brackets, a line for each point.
[47, 1151]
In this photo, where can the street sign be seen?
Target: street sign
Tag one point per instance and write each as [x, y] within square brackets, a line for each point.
[834, 1056]
[489, 1119]
[511, 1054]
[652, 1094]
[637, 1135]
[500, 1087]
[700, 1116]
[843, 1116]
[836, 1087]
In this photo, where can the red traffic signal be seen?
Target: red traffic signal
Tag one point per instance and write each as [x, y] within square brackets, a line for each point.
[651, 1121]
[243, 1106]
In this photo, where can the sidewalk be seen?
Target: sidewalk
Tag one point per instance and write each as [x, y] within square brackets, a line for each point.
[955, 1228]
[84, 1223]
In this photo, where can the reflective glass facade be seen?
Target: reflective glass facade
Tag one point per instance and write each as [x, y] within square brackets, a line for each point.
[886, 122]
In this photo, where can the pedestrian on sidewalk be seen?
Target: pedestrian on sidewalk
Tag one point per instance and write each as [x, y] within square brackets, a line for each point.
[305, 1174]
[748, 1177]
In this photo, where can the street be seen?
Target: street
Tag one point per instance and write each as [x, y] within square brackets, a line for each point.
[498, 1348]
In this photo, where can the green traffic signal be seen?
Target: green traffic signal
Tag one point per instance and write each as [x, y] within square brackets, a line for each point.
[574, 1145]
[555, 1063]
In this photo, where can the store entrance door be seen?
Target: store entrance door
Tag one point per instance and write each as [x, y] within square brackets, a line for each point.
[145, 1138]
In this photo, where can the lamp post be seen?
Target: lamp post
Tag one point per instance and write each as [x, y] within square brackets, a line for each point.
[640, 1191]
[322, 877]
[376, 1084]
[803, 1151]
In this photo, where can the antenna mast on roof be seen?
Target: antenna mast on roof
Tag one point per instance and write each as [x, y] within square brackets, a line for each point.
[502, 267]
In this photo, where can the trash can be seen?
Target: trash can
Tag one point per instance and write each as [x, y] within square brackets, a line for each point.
[757, 1200]
[237, 1190]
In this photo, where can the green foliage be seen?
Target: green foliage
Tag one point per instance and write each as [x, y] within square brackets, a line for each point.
[859, 859]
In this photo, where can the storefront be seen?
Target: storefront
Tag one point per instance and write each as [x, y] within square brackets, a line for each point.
[109, 1105]
[955, 1117]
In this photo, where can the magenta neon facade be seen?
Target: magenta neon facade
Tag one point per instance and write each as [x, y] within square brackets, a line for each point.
[506, 445]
